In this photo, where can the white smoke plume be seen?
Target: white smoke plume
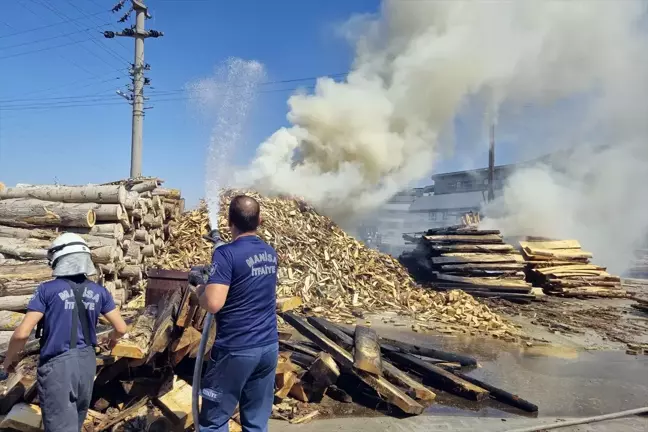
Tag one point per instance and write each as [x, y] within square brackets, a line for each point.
[419, 64]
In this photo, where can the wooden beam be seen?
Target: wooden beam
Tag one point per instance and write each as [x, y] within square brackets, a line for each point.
[139, 337]
[480, 248]
[464, 258]
[176, 404]
[552, 244]
[286, 304]
[480, 281]
[164, 324]
[440, 378]
[476, 239]
[383, 387]
[323, 373]
[366, 351]
[113, 420]
[343, 337]
[23, 418]
[499, 394]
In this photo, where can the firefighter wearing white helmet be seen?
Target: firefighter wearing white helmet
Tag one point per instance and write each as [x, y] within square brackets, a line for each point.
[66, 310]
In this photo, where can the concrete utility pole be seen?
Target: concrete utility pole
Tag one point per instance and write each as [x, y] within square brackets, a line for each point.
[136, 98]
[491, 165]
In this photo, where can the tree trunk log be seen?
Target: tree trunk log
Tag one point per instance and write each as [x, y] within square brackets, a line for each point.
[151, 221]
[145, 186]
[108, 269]
[104, 255]
[143, 236]
[19, 249]
[131, 200]
[139, 340]
[166, 193]
[18, 287]
[133, 272]
[148, 251]
[36, 233]
[14, 303]
[134, 252]
[31, 212]
[69, 194]
[9, 320]
[108, 230]
[26, 271]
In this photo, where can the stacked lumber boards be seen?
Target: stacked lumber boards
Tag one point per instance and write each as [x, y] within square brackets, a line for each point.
[562, 268]
[332, 272]
[476, 261]
[639, 266]
[125, 224]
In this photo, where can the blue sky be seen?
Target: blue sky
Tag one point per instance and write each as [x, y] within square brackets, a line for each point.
[60, 119]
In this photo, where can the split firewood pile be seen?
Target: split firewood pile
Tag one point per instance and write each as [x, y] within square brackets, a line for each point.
[476, 261]
[332, 272]
[124, 223]
[562, 268]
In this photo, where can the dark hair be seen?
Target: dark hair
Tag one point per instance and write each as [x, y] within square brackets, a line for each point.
[244, 213]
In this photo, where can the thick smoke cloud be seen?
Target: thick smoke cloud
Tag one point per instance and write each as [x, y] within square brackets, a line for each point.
[419, 64]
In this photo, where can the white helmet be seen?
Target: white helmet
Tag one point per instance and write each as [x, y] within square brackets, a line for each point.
[66, 244]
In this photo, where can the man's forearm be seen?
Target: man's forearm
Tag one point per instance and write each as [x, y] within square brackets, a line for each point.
[16, 345]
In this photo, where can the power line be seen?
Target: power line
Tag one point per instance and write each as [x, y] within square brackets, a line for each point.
[85, 103]
[74, 42]
[49, 6]
[51, 37]
[166, 92]
[47, 26]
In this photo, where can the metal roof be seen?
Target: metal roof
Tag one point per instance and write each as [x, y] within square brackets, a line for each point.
[449, 201]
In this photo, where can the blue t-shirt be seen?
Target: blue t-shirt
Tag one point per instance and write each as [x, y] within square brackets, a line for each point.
[55, 300]
[248, 266]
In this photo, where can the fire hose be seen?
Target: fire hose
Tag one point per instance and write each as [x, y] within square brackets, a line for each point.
[585, 420]
[214, 237]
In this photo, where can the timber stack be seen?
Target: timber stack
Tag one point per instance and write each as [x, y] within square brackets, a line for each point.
[335, 274]
[476, 261]
[125, 223]
[145, 380]
[562, 268]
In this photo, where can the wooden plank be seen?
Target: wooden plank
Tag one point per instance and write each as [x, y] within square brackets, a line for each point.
[460, 229]
[323, 373]
[298, 347]
[137, 344]
[164, 324]
[463, 258]
[384, 388]
[176, 404]
[441, 378]
[481, 248]
[552, 244]
[285, 304]
[184, 345]
[476, 239]
[16, 387]
[558, 253]
[500, 395]
[483, 266]
[284, 383]
[571, 267]
[183, 314]
[413, 388]
[480, 281]
[366, 351]
[113, 420]
[23, 418]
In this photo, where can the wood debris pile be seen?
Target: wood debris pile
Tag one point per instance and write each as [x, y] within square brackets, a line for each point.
[145, 380]
[473, 260]
[562, 268]
[124, 223]
[332, 272]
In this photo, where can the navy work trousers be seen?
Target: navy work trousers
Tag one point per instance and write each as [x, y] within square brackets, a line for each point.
[65, 388]
[244, 377]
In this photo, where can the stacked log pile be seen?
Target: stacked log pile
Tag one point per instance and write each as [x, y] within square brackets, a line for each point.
[332, 272]
[146, 378]
[562, 268]
[476, 261]
[125, 224]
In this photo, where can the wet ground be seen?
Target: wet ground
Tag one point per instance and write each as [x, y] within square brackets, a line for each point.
[565, 381]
